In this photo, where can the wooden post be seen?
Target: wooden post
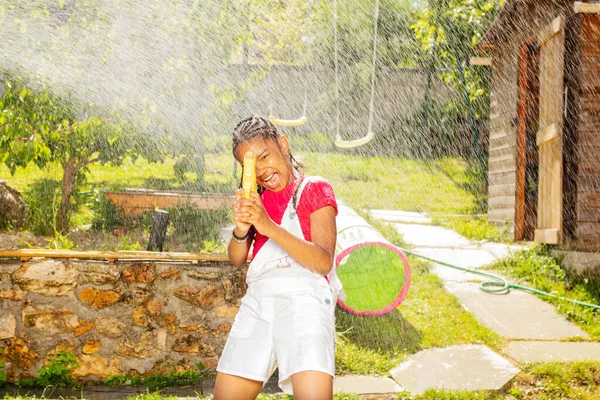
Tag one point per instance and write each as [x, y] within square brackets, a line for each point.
[159, 230]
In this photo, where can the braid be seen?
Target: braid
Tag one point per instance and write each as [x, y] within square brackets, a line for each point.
[255, 126]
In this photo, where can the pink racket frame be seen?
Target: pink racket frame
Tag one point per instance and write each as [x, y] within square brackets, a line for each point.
[403, 291]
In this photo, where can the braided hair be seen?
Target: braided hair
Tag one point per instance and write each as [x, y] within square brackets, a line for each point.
[257, 126]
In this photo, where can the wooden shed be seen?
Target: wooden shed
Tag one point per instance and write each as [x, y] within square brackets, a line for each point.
[544, 146]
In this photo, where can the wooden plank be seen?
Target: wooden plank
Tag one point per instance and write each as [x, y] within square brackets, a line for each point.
[521, 142]
[588, 231]
[549, 138]
[481, 61]
[112, 255]
[586, 8]
[550, 236]
[589, 199]
[556, 26]
[136, 202]
[587, 183]
[588, 214]
[546, 134]
[501, 189]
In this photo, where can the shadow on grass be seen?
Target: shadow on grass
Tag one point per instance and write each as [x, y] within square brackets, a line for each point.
[471, 181]
[389, 333]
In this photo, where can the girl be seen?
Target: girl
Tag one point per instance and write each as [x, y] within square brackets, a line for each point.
[286, 318]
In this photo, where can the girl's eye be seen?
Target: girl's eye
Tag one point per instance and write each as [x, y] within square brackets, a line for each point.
[263, 157]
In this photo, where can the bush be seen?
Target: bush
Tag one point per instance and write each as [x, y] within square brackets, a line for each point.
[203, 225]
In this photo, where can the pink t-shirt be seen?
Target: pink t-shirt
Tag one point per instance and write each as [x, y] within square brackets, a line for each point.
[317, 194]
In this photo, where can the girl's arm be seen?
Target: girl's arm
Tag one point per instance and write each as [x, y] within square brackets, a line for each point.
[316, 255]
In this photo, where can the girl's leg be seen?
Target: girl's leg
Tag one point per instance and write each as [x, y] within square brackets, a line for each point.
[312, 385]
[231, 387]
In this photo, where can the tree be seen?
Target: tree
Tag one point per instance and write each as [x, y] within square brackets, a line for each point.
[36, 126]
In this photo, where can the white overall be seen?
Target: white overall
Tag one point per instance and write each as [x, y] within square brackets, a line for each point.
[286, 319]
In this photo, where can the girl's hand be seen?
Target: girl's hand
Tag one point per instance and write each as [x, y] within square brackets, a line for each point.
[239, 217]
[252, 212]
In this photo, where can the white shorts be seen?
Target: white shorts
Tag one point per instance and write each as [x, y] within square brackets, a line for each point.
[285, 323]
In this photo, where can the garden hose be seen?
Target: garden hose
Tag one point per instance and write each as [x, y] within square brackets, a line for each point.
[500, 285]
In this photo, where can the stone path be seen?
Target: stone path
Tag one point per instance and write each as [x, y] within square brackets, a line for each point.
[535, 331]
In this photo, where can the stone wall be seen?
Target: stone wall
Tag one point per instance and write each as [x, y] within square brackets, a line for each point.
[116, 318]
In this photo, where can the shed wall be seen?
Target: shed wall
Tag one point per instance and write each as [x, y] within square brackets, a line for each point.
[523, 26]
[588, 147]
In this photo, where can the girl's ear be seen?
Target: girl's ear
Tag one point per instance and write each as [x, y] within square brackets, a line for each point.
[284, 145]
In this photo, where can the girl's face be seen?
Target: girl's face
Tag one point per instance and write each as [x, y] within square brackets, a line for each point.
[273, 167]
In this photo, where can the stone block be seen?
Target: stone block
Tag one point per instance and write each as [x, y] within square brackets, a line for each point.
[226, 311]
[530, 352]
[365, 385]
[205, 274]
[463, 367]
[140, 317]
[97, 365]
[18, 354]
[206, 297]
[12, 295]
[171, 275]
[111, 327]
[8, 326]
[98, 298]
[139, 273]
[150, 344]
[49, 320]
[98, 274]
[48, 277]
[516, 315]
[91, 346]
[84, 327]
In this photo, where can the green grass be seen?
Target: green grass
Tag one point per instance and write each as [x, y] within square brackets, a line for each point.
[397, 184]
[476, 228]
[537, 268]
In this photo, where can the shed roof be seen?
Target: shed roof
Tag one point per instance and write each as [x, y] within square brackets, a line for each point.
[505, 19]
[497, 27]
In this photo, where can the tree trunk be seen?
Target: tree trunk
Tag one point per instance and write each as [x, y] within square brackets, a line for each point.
[68, 183]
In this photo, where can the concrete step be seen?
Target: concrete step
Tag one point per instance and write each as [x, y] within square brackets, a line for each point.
[529, 352]
[463, 367]
[517, 315]
[400, 216]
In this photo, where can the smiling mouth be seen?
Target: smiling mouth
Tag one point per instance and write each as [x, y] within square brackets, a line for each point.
[271, 180]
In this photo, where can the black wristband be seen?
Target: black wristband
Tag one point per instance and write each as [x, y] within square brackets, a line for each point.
[240, 239]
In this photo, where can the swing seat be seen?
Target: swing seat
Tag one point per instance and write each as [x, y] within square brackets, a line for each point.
[288, 122]
[348, 144]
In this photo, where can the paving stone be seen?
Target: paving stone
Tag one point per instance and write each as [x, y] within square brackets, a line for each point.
[468, 258]
[400, 216]
[517, 315]
[529, 352]
[463, 367]
[430, 236]
[365, 385]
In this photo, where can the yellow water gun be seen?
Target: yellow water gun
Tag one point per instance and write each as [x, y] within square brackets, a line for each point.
[249, 177]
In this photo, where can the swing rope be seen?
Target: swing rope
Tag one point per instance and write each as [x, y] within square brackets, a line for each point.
[370, 134]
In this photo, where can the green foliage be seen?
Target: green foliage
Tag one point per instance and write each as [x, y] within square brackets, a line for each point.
[57, 371]
[3, 377]
[40, 126]
[449, 30]
[198, 225]
[43, 199]
[477, 228]
[538, 268]
[155, 382]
